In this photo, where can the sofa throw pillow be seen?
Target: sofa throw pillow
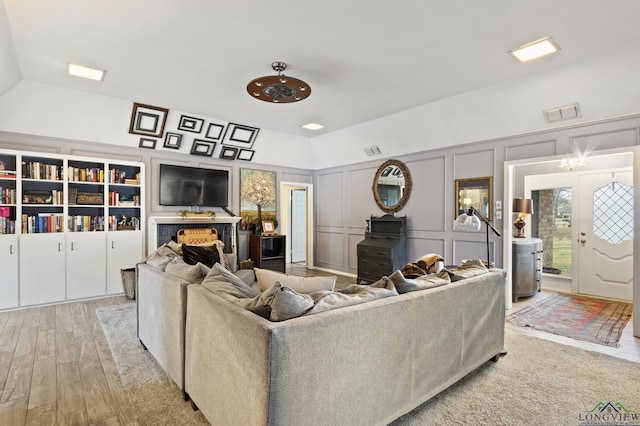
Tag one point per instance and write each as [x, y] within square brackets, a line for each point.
[405, 285]
[161, 257]
[304, 285]
[287, 304]
[467, 269]
[352, 295]
[191, 273]
[207, 255]
[220, 280]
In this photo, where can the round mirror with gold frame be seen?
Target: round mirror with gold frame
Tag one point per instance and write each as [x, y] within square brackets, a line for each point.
[392, 186]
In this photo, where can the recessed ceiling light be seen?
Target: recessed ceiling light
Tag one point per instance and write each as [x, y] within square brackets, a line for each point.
[313, 126]
[86, 72]
[535, 49]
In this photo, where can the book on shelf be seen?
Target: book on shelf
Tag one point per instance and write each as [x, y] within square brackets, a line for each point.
[7, 174]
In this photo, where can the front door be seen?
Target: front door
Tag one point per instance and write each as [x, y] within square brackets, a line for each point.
[605, 240]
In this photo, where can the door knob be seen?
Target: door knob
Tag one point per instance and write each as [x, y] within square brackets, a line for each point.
[583, 241]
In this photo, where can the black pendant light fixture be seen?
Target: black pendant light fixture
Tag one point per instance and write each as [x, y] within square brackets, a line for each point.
[278, 89]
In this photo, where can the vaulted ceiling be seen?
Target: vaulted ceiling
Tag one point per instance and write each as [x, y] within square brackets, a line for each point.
[362, 59]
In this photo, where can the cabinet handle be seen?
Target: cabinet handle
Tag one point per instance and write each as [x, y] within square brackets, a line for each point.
[11, 249]
[59, 247]
[72, 247]
[112, 245]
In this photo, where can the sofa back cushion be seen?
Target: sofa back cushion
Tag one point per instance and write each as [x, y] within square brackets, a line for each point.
[305, 285]
[191, 273]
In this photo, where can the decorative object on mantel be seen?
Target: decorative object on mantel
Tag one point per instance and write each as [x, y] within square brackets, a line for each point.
[189, 213]
[148, 120]
[202, 147]
[172, 140]
[278, 88]
[190, 124]
[522, 207]
[147, 143]
[257, 189]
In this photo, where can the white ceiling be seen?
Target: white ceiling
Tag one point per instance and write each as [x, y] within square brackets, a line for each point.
[363, 59]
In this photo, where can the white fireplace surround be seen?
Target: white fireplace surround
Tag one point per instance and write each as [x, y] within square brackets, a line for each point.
[154, 221]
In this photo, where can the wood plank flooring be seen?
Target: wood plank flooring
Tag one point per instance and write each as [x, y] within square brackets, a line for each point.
[56, 367]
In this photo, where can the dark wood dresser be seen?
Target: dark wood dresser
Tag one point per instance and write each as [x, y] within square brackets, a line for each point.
[268, 251]
[384, 248]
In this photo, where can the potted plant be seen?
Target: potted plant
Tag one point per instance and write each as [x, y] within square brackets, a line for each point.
[204, 213]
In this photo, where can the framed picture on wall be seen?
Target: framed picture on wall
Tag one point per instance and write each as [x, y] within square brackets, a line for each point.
[147, 120]
[476, 193]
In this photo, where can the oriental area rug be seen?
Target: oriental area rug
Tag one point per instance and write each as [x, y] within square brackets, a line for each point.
[583, 318]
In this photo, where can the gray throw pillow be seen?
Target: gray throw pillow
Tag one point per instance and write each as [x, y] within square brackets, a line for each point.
[191, 273]
[220, 280]
[352, 295]
[277, 303]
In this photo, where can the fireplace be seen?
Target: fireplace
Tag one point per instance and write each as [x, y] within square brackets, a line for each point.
[162, 228]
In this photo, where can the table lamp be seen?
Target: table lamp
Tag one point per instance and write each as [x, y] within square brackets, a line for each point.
[523, 207]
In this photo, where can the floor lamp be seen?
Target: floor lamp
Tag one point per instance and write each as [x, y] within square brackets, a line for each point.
[471, 221]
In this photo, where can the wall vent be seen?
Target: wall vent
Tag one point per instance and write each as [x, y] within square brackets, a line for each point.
[372, 150]
[562, 113]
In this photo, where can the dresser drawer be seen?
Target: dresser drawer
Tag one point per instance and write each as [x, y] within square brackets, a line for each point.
[374, 252]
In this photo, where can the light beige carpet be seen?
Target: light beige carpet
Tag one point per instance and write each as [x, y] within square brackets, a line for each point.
[538, 382]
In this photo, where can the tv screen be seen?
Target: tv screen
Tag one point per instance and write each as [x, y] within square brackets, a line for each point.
[193, 186]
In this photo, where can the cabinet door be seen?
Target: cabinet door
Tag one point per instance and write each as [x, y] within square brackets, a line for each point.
[86, 265]
[9, 268]
[124, 250]
[42, 268]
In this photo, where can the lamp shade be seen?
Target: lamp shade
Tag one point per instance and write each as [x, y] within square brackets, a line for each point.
[467, 223]
[522, 205]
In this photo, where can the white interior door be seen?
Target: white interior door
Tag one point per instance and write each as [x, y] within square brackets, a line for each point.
[298, 225]
[605, 241]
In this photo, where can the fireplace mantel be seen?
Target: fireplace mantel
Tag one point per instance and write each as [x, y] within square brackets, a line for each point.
[155, 221]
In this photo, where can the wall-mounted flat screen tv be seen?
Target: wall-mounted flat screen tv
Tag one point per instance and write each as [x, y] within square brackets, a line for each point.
[193, 186]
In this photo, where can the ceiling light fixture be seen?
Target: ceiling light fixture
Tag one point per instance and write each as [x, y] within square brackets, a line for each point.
[278, 89]
[86, 72]
[313, 126]
[535, 49]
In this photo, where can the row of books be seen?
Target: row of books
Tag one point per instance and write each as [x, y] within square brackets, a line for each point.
[7, 174]
[7, 195]
[120, 176]
[37, 170]
[85, 223]
[7, 226]
[42, 223]
[93, 174]
[122, 200]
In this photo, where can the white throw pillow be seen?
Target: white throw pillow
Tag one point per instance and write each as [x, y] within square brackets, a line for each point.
[303, 285]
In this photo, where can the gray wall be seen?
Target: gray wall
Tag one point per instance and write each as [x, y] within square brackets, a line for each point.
[344, 198]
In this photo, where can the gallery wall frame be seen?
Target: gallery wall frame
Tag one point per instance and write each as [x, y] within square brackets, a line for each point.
[476, 193]
[190, 124]
[202, 147]
[240, 135]
[147, 143]
[214, 131]
[245, 155]
[228, 153]
[148, 120]
[172, 140]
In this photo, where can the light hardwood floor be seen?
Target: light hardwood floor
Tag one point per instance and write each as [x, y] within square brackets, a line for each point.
[56, 366]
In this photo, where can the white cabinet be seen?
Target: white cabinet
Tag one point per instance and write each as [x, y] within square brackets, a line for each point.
[86, 267]
[9, 268]
[42, 268]
[124, 250]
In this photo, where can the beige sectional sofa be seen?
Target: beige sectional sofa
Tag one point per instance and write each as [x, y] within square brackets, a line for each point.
[365, 364]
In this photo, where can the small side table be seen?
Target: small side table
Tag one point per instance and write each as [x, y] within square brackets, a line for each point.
[526, 276]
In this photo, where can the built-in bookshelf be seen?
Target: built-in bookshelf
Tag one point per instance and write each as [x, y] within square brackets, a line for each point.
[79, 219]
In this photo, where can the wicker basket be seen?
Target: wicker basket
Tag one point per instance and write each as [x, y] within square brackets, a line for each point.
[129, 282]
